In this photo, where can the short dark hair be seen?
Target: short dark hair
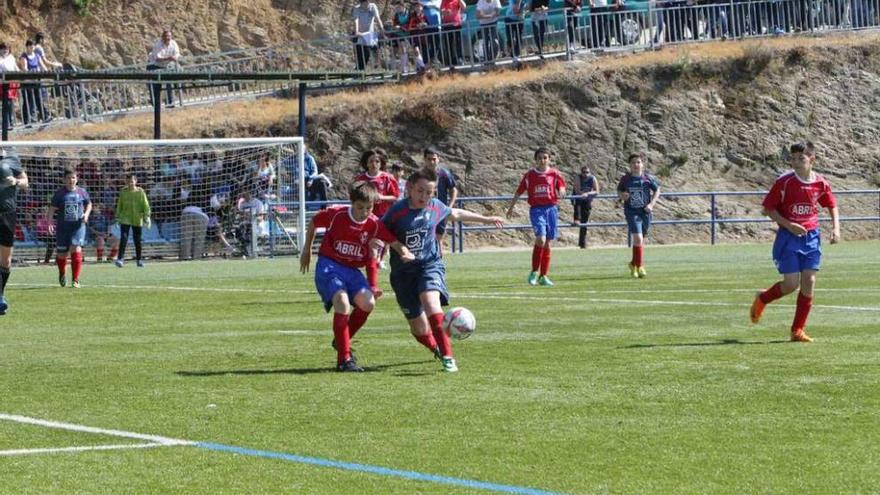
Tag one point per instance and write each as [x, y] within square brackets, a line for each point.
[396, 166]
[363, 191]
[4, 46]
[633, 156]
[421, 174]
[69, 171]
[798, 147]
[540, 151]
[430, 150]
[29, 42]
[366, 156]
[39, 37]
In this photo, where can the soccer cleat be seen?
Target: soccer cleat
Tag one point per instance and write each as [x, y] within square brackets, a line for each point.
[437, 354]
[349, 365]
[757, 309]
[533, 278]
[642, 272]
[350, 350]
[3, 305]
[140, 264]
[118, 263]
[543, 280]
[62, 280]
[449, 364]
[75, 284]
[633, 270]
[799, 336]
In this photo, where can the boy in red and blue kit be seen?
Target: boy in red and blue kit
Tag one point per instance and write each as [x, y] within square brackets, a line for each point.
[544, 185]
[389, 192]
[793, 202]
[72, 205]
[345, 248]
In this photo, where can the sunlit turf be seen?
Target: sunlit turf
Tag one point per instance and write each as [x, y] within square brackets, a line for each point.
[601, 384]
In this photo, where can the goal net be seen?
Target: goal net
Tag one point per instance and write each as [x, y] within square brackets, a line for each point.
[208, 197]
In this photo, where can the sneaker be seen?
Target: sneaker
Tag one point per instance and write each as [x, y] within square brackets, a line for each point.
[75, 284]
[62, 280]
[349, 365]
[3, 305]
[449, 365]
[757, 309]
[140, 264]
[642, 272]
[119, 263]
[533, 278]
[633, 270]
[543, 280]
[799, 336]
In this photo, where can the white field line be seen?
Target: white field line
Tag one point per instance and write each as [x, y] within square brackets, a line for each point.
[165, 441]
[9, 453]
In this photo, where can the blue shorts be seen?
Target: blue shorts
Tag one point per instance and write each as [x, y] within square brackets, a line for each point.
[69, 234]
[332, 277]
[414, 279]
[544, 220]
[638, 221]
[793, 254]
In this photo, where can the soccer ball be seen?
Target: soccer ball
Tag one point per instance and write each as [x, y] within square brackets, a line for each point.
[459, 323]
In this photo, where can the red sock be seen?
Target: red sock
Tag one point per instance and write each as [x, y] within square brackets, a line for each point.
[545, 261]
[537, 254]
[436, 321]
[100, 254]
[638, 251]
[426, 340]
[61, 261]
[804, 304]
[114, 252]
[373, 273]
[343, 340]
[771, 294]
[76, 262]
[356, 320]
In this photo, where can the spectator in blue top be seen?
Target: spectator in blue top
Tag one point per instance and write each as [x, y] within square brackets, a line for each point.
[32, 97]
[447, 192]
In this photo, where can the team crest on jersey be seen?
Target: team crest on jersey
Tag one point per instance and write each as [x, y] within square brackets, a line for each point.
[364, 237]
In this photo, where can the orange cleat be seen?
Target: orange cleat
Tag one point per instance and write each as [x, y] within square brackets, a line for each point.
[798, 335]
[757, 309]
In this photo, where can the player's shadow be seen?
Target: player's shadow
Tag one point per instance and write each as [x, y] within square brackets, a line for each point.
[704, 344]
[292, 371]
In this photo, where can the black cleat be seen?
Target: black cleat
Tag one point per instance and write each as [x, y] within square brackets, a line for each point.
[350, 350]
[349, 365]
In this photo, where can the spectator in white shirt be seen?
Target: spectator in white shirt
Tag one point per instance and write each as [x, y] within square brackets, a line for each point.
[8, 63]
[163, 56]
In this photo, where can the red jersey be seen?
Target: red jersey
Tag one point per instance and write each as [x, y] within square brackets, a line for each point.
[799, 201]
[347, 241]
[543, 187]
[387, 185]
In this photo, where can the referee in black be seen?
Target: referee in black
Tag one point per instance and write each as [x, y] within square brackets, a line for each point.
[12, 178]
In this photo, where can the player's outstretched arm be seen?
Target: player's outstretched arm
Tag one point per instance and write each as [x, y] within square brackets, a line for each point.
[465, 216]
[305, 255]
[405, 254]
[835, 224]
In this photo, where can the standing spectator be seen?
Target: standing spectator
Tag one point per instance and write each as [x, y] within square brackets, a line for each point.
[420, 285]
[132, 213]
[447, 191]
[39, 38]
[8, 64]
[367, 26]
[431, 9]
[544, 186]
[586, 188]
[164, 55]
[793, 203]
[400, 43]
[33, 107]
[513, 25]
[539, 23]
[12, 178]
[387, 193]
[638, 191]
[487, 15]
[417, 27]
[605, 22]
[572, 23]
[450, 11]
[71, 207]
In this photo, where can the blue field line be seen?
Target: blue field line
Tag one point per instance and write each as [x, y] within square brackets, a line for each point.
[382, 471]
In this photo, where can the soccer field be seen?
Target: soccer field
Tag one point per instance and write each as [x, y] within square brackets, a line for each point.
[217, 377]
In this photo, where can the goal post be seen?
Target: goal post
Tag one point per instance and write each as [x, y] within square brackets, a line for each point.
[223, 197]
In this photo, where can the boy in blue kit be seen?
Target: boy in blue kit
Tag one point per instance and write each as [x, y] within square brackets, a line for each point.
[639, 192]
[73, 207]
[345, 249]
[420, 286]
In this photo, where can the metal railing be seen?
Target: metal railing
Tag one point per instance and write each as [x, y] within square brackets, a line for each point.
[636, 25]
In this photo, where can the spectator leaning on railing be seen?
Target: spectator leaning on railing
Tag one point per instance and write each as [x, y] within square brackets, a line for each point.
[33, 99]
[451, 17]
[487, 15]
[164, 55]
[367, 27]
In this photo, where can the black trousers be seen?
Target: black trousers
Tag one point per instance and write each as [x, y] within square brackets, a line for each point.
[123, 240]
[582, 215]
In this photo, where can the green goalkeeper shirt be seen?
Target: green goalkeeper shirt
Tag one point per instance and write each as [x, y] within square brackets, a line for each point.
[132, 207]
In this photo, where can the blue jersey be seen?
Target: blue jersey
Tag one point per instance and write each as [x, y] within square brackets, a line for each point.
[640, 190]
[415, 229]
[71, 205]
[445, 184]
